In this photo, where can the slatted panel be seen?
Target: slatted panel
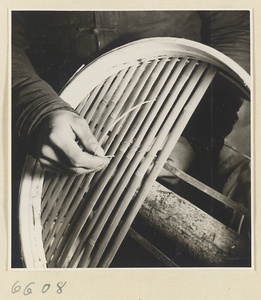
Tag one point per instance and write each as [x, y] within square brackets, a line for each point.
[80, 214]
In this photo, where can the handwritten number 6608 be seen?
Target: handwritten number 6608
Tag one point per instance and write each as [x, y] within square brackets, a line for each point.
[28, 289]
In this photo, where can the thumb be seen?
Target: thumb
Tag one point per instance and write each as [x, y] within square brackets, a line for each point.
[86, 138]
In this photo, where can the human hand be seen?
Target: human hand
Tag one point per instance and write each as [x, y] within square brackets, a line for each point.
[63, 142]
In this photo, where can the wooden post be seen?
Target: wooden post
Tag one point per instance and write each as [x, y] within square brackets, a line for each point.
[205, 238]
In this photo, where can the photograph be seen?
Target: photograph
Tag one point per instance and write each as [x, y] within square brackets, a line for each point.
[131, 139]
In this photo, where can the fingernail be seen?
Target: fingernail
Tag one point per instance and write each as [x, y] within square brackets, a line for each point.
[109, 156]
[99, 151]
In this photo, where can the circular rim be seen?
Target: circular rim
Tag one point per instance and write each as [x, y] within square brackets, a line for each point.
[75, 91]
[150, 48]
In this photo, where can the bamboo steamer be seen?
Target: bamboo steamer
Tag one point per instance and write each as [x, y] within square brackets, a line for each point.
[137, 100]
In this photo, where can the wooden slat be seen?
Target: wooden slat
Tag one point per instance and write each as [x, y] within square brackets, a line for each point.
[170, 143]
[115, 104]
[137, 97]
[146, 79]
[160, 256]
[138, 175]
[207, 190]
[107, 175]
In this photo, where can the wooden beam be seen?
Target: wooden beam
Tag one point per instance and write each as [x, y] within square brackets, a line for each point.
[207, 190]
[205, 238]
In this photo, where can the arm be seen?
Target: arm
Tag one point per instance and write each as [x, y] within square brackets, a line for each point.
[44, 121]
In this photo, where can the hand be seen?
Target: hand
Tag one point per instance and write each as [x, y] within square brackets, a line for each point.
[64, 143]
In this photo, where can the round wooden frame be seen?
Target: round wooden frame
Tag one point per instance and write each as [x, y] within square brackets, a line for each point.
[75, 92]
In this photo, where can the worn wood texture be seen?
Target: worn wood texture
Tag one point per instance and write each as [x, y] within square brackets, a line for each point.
[201, 235]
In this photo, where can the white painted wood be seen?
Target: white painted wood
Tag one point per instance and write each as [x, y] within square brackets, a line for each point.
[30, 214]
[152, 48]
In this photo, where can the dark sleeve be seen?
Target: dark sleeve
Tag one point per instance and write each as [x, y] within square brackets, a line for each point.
[32, 98]
[229, 32]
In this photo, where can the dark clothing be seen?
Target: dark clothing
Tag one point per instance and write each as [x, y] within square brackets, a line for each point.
[229, 33]
[57, 43]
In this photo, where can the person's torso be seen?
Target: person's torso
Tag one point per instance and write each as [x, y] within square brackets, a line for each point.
[86, 33]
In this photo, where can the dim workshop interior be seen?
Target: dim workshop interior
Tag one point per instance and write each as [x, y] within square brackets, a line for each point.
[139, 102]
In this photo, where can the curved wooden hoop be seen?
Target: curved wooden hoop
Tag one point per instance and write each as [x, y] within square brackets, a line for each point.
[152, 47]
[75, 92]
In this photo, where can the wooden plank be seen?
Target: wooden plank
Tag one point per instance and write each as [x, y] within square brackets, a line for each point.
[181, 222]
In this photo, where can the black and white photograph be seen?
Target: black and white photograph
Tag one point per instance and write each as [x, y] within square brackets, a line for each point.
[131, 139]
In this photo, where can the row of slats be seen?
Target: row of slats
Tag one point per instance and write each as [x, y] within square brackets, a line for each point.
[80, 214]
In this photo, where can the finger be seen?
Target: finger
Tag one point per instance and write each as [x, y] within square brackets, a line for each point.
[86, 171]
[87, 139]
[53, 167]
[48, 153]
[52, 162]
[50, 158]
[78, 158]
